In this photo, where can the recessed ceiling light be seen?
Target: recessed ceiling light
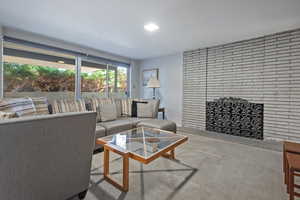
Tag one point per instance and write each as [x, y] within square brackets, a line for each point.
[151, 27]
[61, 62]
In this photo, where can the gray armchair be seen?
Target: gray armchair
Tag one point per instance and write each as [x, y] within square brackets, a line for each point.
[46, 157]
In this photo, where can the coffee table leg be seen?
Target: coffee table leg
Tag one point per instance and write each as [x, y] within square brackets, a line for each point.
[125, 186]
[125, 173]
[106, 162]
[170, 154]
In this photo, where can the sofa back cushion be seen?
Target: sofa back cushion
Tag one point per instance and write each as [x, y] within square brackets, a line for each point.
[126, 107]
[68, 105]
[41, 105]
[20, 106]
[107, 112]
[118, 103]
[96, 101]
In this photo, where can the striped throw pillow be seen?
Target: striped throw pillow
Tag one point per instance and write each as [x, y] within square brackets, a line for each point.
[55, 106]
[20, 106]
[126, 107]
[67, 105]
[118, 103]
[41, 105]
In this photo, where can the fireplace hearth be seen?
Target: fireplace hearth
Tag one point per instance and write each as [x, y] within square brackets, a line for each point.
[235, 116]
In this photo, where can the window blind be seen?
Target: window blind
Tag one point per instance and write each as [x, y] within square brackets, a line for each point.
[65, 51]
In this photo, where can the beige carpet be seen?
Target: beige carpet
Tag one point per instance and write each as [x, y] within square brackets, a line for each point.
[207, 169]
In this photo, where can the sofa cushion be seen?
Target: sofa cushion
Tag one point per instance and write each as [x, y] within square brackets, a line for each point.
[68, 105]
[107, 112]
[41, 105]
[117, 126]
[7, 115]
[118, 103]
[135, 120]
[20, 106]
[100, 131]
[166, 125]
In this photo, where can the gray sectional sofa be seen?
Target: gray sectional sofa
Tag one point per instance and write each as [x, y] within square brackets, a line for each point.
[125, 118]
[146, 114]
[48, 156]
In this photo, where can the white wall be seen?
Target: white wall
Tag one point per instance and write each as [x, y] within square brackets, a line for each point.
[134, 79]
[1, 62]
[170, 76]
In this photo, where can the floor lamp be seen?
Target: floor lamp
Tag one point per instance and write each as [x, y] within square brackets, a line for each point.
[153, 83]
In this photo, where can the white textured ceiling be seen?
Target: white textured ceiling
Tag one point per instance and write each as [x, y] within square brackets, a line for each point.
[116, 26]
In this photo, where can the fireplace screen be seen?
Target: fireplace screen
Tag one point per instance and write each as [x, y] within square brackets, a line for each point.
[235, 116]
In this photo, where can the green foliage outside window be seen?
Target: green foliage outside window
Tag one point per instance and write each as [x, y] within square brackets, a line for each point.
[28, 78]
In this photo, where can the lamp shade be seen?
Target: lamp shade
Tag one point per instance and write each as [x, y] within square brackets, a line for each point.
[153, 83]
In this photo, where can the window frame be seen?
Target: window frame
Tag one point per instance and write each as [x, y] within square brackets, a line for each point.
[78, 60]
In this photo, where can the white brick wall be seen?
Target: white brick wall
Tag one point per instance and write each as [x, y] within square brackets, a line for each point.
[261, 70]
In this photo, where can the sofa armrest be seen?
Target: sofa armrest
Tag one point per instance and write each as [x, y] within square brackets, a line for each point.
[46, 157]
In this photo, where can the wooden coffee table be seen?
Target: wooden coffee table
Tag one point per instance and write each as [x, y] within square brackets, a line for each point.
[141, 144]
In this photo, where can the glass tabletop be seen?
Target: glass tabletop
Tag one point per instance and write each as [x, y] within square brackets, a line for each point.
[142, 141]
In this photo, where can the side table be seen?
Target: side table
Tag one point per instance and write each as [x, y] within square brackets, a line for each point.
[162, 110]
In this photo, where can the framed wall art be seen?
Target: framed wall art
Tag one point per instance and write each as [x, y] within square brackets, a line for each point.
[149, 73]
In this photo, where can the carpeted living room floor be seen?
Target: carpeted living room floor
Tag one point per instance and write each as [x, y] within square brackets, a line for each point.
[208, 168]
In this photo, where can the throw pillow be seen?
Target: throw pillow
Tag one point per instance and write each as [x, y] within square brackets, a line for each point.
[96, 101]
[107, 112]
[145, 110]
[41, 105]
[7, 115]
[20, 106]
[134, 111]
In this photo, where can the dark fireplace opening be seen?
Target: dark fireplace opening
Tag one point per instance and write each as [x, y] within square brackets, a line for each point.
[235, 116]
